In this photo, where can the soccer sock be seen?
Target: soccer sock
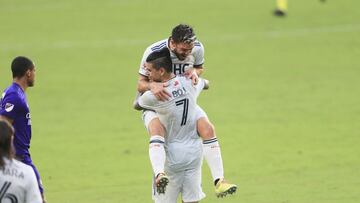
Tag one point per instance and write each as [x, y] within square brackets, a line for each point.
[281, 5]
[157, 154]
[213, 157]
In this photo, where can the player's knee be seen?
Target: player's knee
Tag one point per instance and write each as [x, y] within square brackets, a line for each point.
[206, 129]
[156, 128]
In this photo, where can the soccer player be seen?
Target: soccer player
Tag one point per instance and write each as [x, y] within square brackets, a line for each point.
[15, 109]
[17, 181]
[176, 158]
[281, 8]
[187, 55]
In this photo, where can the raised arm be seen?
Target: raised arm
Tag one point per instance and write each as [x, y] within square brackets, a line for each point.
[158, 89]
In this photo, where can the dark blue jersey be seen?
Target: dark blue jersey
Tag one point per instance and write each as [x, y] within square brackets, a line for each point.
[13, 105]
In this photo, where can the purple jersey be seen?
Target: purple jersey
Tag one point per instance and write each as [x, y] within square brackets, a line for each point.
[13, 105]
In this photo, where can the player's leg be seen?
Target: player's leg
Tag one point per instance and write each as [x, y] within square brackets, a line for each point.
[156, 143]
[28, 161]
[281, 8]
[172, 190]
[212, 151]
[191, 187]
[156, 148]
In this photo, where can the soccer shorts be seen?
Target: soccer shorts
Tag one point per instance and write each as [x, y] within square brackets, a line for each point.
[148, 115]
[187, 183]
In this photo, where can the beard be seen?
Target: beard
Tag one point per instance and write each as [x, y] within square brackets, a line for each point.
[30, 83]
[181, 57]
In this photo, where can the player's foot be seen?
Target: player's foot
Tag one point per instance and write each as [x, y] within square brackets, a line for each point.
[223, 188]
[279, 13]
[161, 182]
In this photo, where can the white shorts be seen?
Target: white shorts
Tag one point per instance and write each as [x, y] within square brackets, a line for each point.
[148, 116]
[187, 182]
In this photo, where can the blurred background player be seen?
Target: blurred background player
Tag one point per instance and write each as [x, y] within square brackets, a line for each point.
[187, 55]
[281, 8]
[17, 181]
[15, 109]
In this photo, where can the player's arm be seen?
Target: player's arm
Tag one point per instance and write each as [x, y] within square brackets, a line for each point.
[11, 108]
[146, 101]
[157, 88]
[199, 69]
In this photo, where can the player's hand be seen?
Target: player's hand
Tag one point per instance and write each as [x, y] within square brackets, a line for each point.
[191, 74]
[159, 91]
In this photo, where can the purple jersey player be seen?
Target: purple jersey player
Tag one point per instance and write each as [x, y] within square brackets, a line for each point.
[15, 109]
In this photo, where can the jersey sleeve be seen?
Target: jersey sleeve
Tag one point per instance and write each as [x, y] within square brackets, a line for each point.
[32, 188]
[142, 70]
[199, 54]
[10, 105]
[199, 86]
[148, 101]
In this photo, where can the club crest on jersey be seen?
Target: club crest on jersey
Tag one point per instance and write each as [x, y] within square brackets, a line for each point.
[9, 107]
[176, 83]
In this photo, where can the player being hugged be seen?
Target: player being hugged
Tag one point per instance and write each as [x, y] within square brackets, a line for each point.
[176, 158]
[187, 57]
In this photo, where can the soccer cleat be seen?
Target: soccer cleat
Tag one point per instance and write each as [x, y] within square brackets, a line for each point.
[224, 188]
[161, 182]
[279, 13]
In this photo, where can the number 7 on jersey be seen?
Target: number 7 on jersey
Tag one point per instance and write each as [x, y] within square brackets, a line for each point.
[184, 102]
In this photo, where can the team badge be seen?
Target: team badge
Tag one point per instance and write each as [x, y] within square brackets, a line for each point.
[9, 107]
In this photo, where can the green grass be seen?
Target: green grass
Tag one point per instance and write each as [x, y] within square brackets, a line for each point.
[284, 95]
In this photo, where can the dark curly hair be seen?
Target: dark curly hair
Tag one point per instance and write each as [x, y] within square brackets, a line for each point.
[183, 33]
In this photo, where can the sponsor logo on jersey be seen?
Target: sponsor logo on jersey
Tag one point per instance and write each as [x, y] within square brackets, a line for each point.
[9, 107]
[29, 118]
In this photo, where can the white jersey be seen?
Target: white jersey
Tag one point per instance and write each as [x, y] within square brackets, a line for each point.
[196, 58]
[18, 183]
[178, 115]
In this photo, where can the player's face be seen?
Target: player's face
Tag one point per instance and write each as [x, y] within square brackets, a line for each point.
[31, 77]
[154, 75]
[182, 50]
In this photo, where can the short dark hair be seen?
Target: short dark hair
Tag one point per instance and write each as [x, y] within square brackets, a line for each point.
[183, 33]
[20, 65]
[6, 146]
[161, 59]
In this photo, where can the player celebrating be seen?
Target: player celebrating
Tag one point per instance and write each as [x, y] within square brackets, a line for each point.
[17, 180]
[187, 55]
[15, 109]
[182, 143]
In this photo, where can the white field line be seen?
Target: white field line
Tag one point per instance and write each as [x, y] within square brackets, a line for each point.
[67, 44]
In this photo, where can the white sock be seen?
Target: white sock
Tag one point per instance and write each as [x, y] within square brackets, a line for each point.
[213, 157]
[157, 154]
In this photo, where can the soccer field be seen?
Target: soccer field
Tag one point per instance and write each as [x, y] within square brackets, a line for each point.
[284, 95]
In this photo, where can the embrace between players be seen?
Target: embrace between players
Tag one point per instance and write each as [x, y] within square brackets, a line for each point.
[180, 131]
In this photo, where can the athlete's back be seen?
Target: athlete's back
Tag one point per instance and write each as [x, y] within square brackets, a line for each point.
[18, 183]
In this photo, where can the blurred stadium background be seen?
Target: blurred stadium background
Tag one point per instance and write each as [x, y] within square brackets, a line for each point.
[284, 96]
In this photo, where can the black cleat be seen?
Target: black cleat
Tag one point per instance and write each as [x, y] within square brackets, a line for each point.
[161, 183]
[279, 13]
